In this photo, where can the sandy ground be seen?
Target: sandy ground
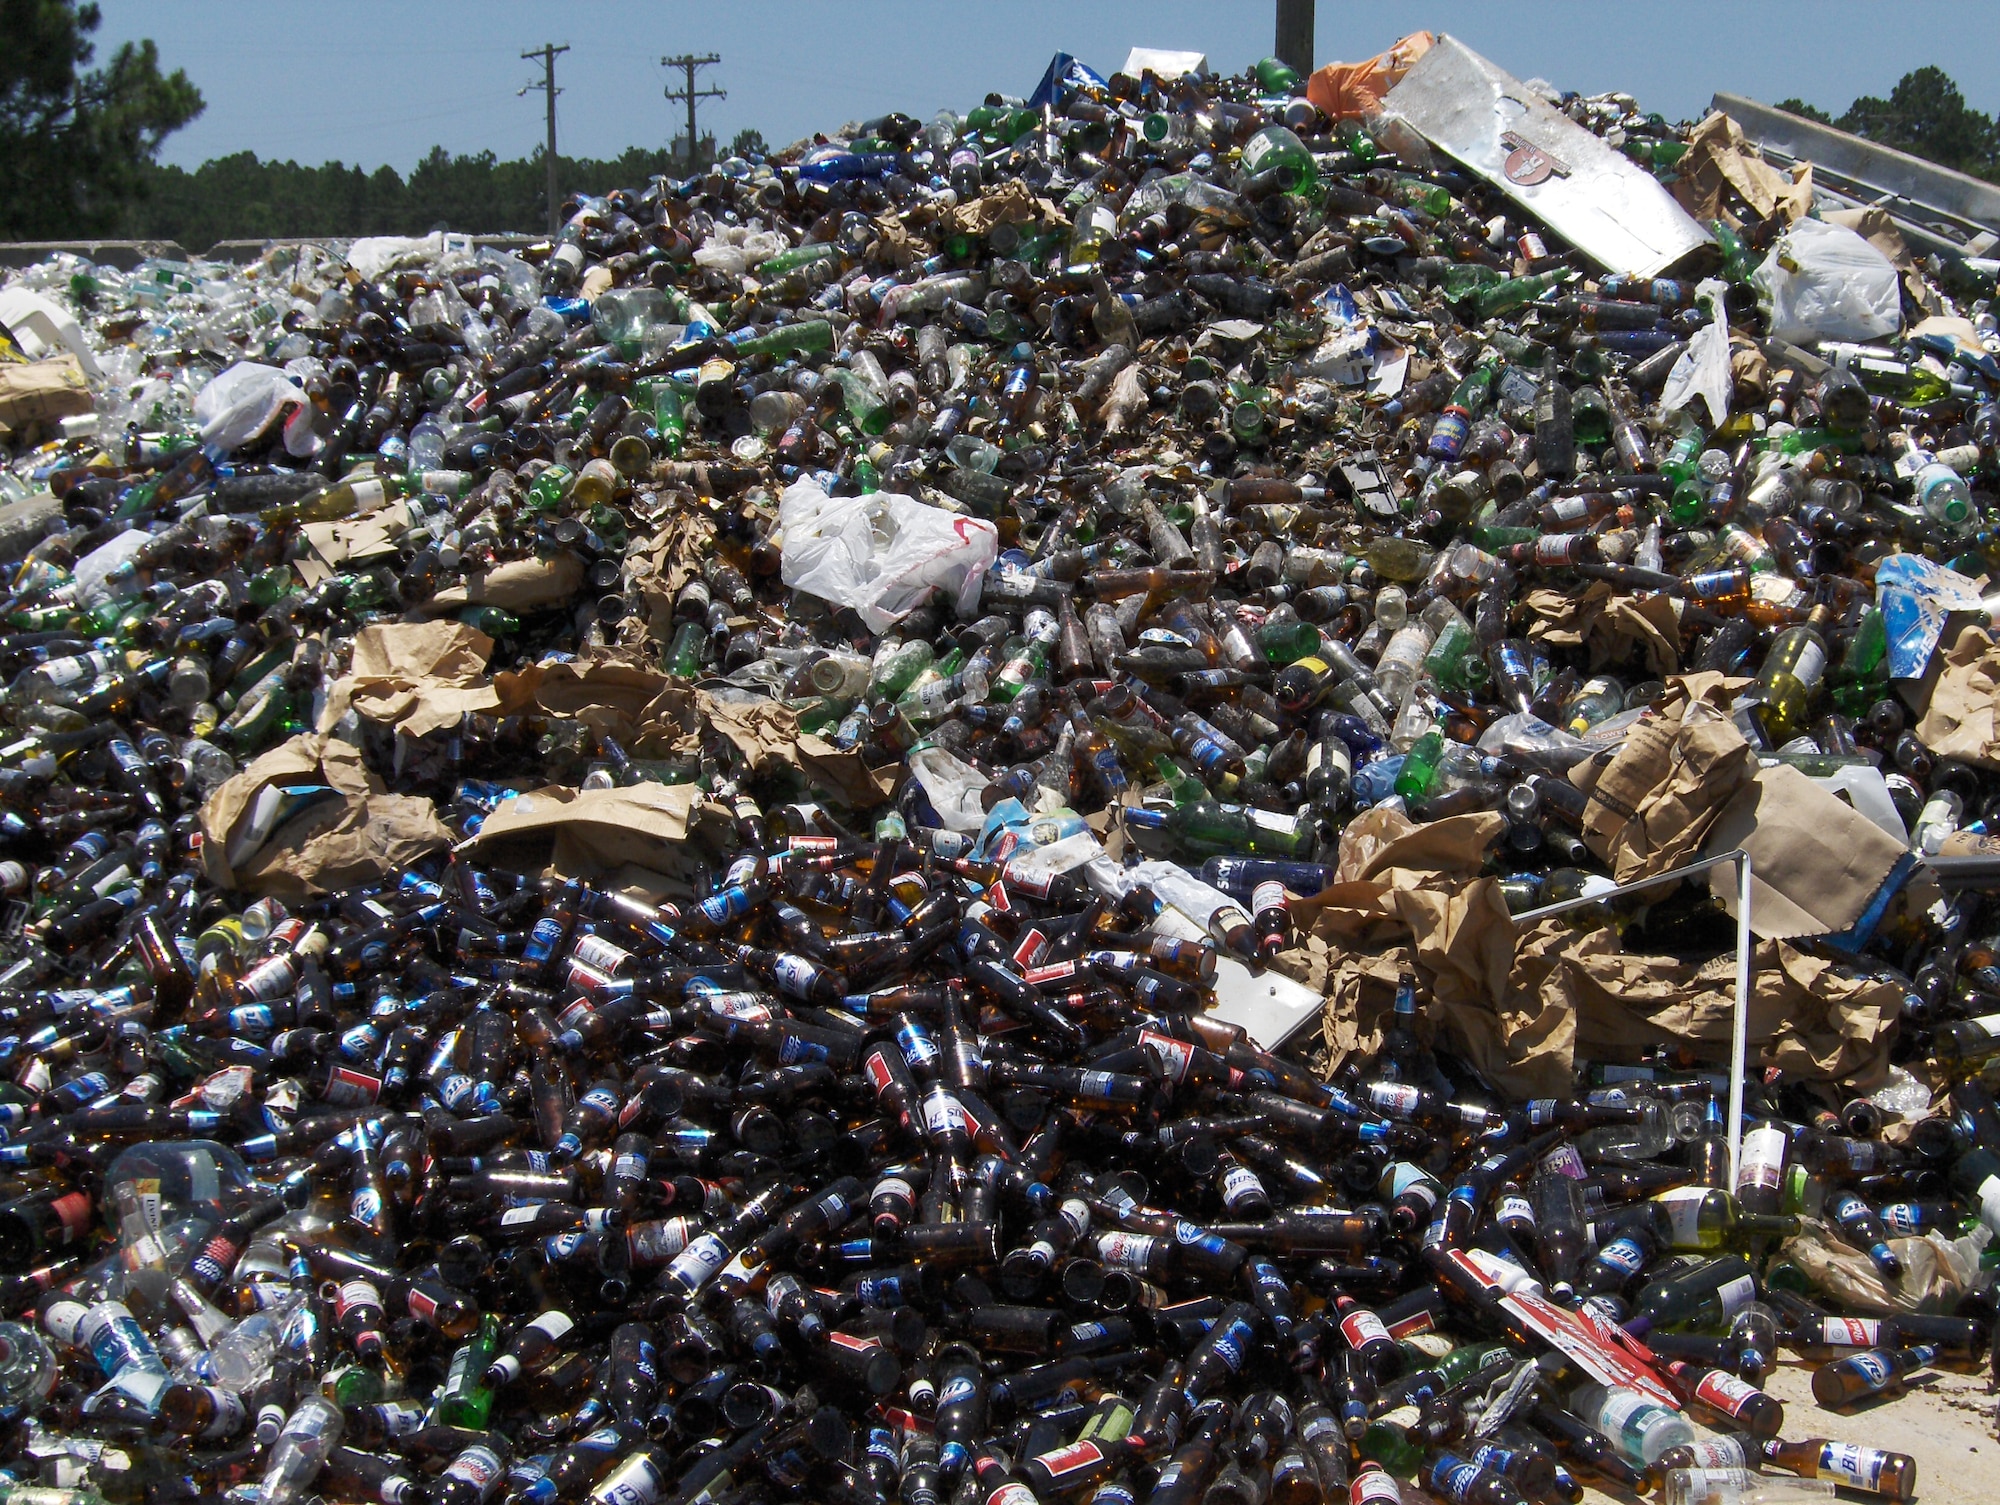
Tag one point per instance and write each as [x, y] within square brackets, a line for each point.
[1944, 1421]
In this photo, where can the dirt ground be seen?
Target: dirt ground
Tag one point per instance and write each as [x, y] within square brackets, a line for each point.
[1944, 1421]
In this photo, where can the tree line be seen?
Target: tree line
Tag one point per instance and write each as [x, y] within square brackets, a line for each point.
[242, 197]
[1925, 115]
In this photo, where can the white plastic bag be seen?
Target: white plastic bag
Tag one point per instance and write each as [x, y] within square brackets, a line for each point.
[242, 402]
[1824, 282]
[93, 571]
[1703, 369]
[952, 785]
[881, 554]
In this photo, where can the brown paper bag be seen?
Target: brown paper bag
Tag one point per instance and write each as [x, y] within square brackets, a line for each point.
[1815, 861]
[1524, 1006]
[1807, 1016]
[768, 737]
[1720, 158]
[1653, 801]
[1963, 718]
[612, 692]
[517, 585]
[1619, 630]
[365, 837]
[658, 568]
[586, 831]
[1013, 203]
[419, 677]
[43, 391]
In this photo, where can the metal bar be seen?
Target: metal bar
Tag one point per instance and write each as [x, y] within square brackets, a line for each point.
[1739, 1043]
[1964, 872]
[1702, 865]
[1881, 168]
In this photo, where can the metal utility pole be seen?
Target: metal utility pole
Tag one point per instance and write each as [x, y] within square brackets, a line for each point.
[548, 52]
[688, 64]
[1294, 47]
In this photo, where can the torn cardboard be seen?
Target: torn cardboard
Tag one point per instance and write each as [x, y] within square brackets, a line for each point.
[351, 543]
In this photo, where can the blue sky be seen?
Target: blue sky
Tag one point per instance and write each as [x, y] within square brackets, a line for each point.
[373, 82]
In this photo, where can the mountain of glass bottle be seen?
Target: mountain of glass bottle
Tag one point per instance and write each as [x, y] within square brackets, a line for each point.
[866, 1171]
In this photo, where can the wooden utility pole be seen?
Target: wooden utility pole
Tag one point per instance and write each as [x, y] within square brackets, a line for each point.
[1294, 47]
[548, 52]
[688, 64]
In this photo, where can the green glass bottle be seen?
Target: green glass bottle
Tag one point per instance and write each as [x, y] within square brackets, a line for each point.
[669, 417]
[1707, 1217]
[1181, 784]
[684, 656]
[550, 488]
[1469, 1359]
[1276, 149]
[1516, 292]
[807, 337]
[896, 669]
[1393, 1441]
[1286, 640]
[867, 407]
[1420, 766]
[773, 267]
[1454, 661]
[491, 620]
[464, 1400]
[1213, 827]
[1274, 77]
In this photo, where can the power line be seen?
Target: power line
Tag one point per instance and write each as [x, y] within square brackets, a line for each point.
[689, 63]
[548, 52]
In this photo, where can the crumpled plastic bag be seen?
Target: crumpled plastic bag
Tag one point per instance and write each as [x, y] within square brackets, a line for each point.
[1352, 91]
[881, 554]
[1824, 282]
[1704, 368]
[244, 401]
[952, 786]
[734, 251]
[372, 255]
